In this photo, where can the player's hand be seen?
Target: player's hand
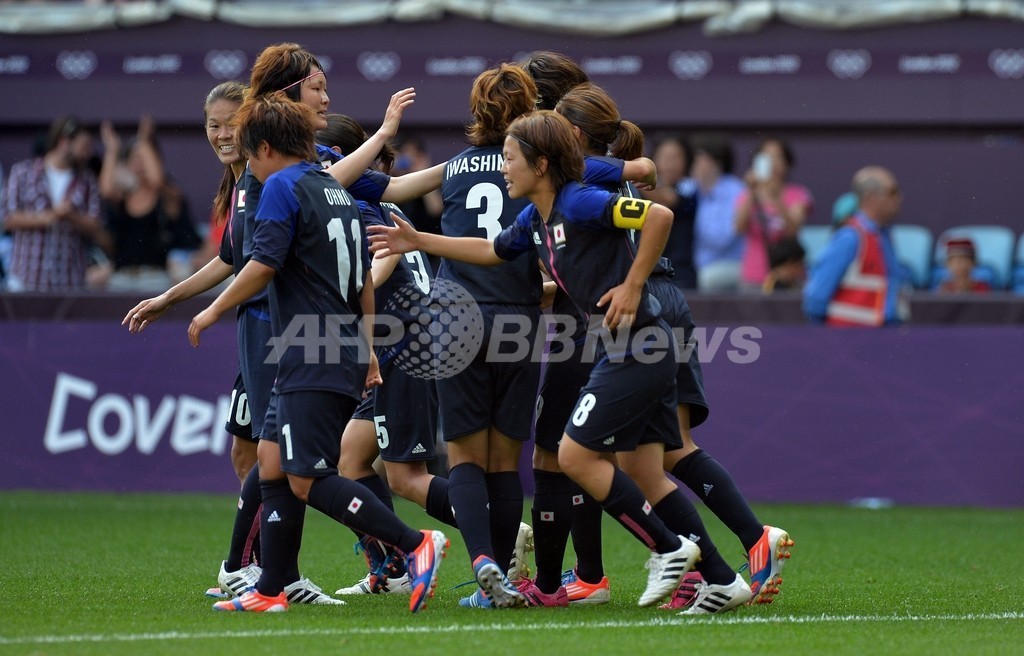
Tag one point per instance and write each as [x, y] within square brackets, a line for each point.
[622, 301]
[373, 377]
[145, 313]
[547, 298]
[393, 241]
[393, 115]
[201, 322]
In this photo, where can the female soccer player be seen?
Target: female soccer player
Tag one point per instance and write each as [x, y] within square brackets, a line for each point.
[289, 68]
[627, 405]
[398, 419]
[310, 246]
[487, 408]
[600, 129]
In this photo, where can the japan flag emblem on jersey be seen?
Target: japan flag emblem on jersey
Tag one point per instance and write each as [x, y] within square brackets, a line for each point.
[241, 198]
[559, 231]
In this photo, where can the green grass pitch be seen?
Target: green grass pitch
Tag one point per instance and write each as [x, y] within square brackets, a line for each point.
[85, 573]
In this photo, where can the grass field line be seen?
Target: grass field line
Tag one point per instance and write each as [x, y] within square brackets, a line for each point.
[483, 626]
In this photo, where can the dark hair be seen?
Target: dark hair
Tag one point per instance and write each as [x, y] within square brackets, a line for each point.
[785, 250]
[499, 95]
[547, 134]
[65, 127]
[279, 67]
[787, 152]
[592, 110]
[716, 146]
[662, 138]
[231, 91]
[346, 134]
[554, 74]
[283, 124]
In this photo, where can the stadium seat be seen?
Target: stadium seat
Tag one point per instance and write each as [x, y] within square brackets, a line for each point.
[813, 238]
[1018, 267]
[994, 244]
[913, 245]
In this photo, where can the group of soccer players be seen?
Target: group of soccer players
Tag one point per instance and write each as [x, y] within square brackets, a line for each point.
[542, 193]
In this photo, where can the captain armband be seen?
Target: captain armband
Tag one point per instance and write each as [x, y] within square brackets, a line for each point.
[630, 213]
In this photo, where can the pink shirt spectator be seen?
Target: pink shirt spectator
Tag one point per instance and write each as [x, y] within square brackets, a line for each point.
[754, 267]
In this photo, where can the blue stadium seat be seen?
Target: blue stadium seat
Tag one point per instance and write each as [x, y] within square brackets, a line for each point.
[813, 238]
[994, 245]
[913, 245]
[1018, 267]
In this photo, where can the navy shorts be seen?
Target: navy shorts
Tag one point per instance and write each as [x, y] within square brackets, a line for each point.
[627, 403]
[404, 415]
[689, 378]
[500, 394]
[239, 422]
[257, 373]
[559, 392]
[308, 427]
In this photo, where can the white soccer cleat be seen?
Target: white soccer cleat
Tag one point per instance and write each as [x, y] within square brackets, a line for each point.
[519, 568]
[233, 584]
[667, 570]
[713, 598]
[393, 585]
[305, 591]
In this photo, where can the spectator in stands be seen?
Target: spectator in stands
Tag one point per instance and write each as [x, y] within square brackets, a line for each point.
[677, 191]
[788, 271]
[717, 246]
[770, 209]
[5, 237]
[150, 234]
[857, 280]
[960, 261]
[52, 211]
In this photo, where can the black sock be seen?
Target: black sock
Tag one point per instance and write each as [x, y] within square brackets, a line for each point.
[586, 536]
[627, 505]
[715, 487]
[359, 509]
[467, 489]
[552, 518]
[438, 505]
[245, 534]
[683, 519]
[374, 483]
[281, 519]
[505, 493]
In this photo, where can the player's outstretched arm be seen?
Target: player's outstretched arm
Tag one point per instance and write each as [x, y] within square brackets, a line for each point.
[410, 186]
[404, 238]
[352, 166]
[253, 277]
[212, 274]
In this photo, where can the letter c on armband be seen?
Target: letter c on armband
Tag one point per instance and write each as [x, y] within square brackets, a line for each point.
[630, 213]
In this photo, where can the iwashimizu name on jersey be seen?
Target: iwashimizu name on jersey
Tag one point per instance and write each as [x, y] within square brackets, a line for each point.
[444, 330]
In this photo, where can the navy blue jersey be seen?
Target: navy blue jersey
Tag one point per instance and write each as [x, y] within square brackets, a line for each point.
[369, 187]
[236, 245]
[308, 228]
[606, 173]
[584, 245]
[476, 204]
[412, 272]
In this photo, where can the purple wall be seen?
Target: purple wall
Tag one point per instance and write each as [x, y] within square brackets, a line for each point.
[922, 415]
[939, 102]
